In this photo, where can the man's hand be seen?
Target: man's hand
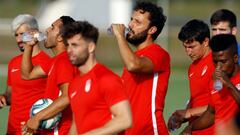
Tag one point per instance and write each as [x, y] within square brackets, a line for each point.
[31, 126]
[118, 29]
[34, 41]
[3, 101]
[187, 131]
[177, 118]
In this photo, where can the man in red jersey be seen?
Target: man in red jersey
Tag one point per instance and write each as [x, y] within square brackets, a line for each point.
[97, 96]
[147, 70]
[21, 94]
[224, 102]
[59, 72]
[195, 36]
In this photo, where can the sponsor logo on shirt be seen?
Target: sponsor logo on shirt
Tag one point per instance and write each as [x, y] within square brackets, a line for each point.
[238, 86]
[204, 70]
[88, 85]
[73, 94]
[15, 70]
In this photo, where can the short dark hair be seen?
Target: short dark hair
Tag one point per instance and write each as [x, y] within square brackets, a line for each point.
[66, 20]
[222, 42]
[87, 31]
[224, 15]
[156, 16]
[194, 30]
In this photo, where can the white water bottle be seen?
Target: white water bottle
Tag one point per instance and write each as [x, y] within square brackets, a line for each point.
[26, 37]
[217, 85]
[110, 31]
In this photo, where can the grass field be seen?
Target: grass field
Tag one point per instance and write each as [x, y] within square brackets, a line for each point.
[176, 96]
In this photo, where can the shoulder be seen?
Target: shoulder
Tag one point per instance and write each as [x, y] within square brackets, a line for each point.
[156, 50]
[161, 50]
[16, 58]
[44, 55]
[105, 75]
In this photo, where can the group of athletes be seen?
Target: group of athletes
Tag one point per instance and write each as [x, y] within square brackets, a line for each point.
[95, 101]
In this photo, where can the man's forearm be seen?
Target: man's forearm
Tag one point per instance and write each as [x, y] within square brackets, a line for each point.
[56, 107]
[204, 121]
[27, 66]
[235, 93]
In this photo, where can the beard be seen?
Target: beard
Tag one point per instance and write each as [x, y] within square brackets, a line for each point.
[21, 49]
[138, 38]
[80, 60]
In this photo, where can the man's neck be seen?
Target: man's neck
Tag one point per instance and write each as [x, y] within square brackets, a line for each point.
[58, 49]
[90, 63]
[145, 44]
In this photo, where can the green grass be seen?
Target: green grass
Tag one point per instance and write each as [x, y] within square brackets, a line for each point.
[176, 98]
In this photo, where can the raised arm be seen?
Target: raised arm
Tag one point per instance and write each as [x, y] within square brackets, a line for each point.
[28, 70]
[132, 62]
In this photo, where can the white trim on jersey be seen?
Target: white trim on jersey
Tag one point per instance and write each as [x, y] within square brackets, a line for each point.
[154, 90]
[55, 131]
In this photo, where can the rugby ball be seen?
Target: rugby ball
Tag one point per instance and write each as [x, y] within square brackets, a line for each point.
[40, 105]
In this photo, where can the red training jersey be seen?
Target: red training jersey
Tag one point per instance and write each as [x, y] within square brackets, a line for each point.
[199, 75]
[24, 92]
[59, 71]
[92, 95]
[147, 93]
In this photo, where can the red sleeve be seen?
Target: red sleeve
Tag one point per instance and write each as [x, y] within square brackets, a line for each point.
[46, 65]
[65, 71]
[159, 58]
[113, 89]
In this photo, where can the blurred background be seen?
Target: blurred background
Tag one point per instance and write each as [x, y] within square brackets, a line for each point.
[102, 13]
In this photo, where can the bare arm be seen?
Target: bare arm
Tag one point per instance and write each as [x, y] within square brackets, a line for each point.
[132, 62]
[5, 98]
[56, 107]
[121, 120]
[204, 121]
[227, 82]
[235, 93]
[73, 129]
[28, 70]
[181, 116]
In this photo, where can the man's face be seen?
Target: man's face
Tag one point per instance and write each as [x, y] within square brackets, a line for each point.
[53, 33]
[18, 35]
[226, 60]
[195, 50]
[221, 28]
[139, 26]
[78, 50]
